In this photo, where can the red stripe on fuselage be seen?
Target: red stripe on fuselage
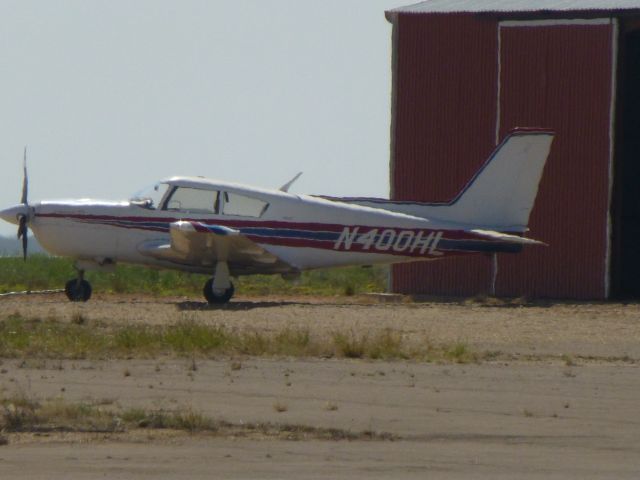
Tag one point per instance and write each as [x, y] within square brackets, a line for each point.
[273, 224]
[286, 241]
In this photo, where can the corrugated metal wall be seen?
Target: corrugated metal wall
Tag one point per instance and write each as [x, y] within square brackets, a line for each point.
[445, 119]
[560, 77]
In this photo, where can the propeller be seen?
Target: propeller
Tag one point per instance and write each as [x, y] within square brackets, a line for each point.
[23, 218]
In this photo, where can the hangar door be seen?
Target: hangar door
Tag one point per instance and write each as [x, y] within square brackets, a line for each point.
[558, 74]
[626, 199]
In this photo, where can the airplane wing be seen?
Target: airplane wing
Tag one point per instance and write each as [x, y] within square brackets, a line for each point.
[505, 237]
[201, 244]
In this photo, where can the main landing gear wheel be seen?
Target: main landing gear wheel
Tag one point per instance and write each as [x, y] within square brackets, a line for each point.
[78, 290]
[217, 297]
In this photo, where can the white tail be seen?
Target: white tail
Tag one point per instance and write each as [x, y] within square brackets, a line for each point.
[501, 194]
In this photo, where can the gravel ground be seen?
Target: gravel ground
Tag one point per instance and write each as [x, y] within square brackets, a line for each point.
[607, 331]
[537, 416]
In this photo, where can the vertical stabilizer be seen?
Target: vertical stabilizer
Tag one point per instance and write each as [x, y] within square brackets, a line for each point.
[502, 193]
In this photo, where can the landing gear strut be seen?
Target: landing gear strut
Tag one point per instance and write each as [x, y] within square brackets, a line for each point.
[219, 289]
[78, 289]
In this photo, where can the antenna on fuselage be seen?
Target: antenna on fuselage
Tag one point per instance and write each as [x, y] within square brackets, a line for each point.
[285, 187]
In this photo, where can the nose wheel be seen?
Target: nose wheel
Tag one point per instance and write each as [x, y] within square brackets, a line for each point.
[78, 289]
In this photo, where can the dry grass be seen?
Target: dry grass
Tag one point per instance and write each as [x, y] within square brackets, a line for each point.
[568, 360]
[280, 407]
[384, 345]
[188, 420]
[331, 406]
[22, 414]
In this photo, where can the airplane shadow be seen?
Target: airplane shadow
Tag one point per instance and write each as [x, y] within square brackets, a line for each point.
[232, 306]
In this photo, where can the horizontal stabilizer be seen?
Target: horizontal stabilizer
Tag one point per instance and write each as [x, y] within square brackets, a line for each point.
[505, 237]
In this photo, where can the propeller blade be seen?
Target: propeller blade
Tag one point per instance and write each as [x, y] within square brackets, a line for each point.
[25, 179]
[23, 218]
[22, 233]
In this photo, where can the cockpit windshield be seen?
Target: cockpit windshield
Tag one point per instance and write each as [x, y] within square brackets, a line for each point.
[151, 196]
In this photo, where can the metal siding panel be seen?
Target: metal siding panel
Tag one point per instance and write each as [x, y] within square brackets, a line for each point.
[476, 6]
[445, 104]
[560, 77]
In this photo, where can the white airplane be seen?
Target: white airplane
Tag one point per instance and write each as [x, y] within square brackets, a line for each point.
[225, 229]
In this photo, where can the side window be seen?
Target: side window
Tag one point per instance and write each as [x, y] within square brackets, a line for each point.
[243, 206]
[193, 200]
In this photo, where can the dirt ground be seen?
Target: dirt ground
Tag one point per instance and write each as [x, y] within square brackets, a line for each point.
[564, 404]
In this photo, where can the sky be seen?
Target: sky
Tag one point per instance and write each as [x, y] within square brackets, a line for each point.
[110, 96]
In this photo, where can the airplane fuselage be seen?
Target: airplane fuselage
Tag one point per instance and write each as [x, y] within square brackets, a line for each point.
[305, 232]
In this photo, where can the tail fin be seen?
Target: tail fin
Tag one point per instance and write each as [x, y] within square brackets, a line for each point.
[502, 193]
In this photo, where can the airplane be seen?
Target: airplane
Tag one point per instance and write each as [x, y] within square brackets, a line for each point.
[226, 230]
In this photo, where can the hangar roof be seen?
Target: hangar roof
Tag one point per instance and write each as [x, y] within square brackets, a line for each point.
[478, 6]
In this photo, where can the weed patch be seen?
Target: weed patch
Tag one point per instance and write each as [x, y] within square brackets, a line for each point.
[55, 415]
[460, 353]
[20, 414]
[188, 420]
[349, 345]
[385, 345]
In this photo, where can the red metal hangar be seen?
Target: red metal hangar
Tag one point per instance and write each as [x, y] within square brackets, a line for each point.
[467, 72]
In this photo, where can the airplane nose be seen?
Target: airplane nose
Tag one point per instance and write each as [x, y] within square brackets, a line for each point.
[11, 214]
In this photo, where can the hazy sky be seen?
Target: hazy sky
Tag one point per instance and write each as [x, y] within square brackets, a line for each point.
[112, 95]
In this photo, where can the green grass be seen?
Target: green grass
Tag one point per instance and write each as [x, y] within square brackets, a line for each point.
[50, 338]
[53, 339]
[460, 353]
[41, 272]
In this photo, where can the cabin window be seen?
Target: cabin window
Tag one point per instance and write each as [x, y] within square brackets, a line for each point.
[194, 200]
[243, 206]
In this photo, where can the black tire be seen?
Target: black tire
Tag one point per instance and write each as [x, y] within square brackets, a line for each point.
[78, 292]
[214, 299]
